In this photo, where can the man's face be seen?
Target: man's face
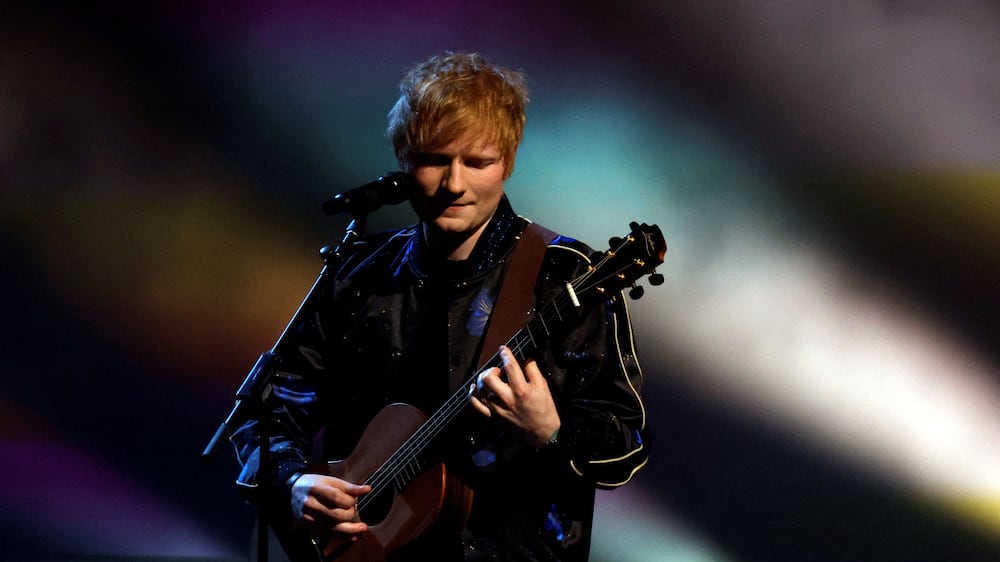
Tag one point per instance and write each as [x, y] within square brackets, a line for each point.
[461, 185]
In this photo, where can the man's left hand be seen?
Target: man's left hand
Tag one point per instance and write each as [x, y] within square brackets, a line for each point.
[523, 401]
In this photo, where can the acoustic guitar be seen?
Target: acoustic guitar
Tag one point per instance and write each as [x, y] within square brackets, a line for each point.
[411, 491]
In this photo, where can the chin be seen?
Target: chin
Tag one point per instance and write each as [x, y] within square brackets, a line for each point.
[452, 229]
[452, 224]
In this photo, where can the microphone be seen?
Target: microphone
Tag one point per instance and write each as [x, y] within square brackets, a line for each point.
[389, 189]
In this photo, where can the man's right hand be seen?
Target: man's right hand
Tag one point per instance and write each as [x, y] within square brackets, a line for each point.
[328, 503]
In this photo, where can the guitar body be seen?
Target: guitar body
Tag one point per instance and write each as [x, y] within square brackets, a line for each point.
[422, 502]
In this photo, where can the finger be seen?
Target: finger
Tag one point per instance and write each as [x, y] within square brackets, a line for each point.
[532, 373]
[494, 390]
[344, 495]
[325, 505]
[321, 516]
[479, 406]
[329, 516]
[515, 377]
[341, 485]
[481, 380]
[358, 490]
[351, 528]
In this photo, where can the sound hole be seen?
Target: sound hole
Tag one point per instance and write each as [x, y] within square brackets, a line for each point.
[376, 505]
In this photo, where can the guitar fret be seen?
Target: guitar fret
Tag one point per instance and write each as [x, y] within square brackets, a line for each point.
[520, 344]
[531, 336]
[541, 320]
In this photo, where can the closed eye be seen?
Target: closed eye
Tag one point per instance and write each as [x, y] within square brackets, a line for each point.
[480, 163]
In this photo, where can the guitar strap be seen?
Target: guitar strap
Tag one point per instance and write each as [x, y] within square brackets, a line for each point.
[517, 290]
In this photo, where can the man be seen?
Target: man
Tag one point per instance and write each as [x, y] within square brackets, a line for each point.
[402, 320]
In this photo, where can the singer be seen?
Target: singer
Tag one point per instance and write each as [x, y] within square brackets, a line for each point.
[409, 318]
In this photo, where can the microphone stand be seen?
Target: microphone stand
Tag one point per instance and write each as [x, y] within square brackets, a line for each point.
[256, 388]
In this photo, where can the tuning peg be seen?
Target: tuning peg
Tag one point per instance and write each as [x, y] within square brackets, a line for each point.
[614, 242]
[656, 279]
[633, 225]
[635, 293]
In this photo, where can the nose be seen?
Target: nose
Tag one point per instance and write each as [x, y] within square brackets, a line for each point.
[453, 179]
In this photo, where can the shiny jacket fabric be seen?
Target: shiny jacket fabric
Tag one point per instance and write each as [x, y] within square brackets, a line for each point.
[393, 325]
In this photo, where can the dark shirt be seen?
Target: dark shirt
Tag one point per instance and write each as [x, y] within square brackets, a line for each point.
[393, 325]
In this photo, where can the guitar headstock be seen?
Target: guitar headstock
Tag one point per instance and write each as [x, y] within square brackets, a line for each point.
[627, 260]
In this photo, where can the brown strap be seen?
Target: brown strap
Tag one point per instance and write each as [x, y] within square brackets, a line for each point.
[517, 290]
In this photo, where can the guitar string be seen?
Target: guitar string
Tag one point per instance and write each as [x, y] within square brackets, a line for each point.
[407, 454]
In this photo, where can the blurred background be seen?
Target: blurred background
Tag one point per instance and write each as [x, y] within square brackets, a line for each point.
[821, 365]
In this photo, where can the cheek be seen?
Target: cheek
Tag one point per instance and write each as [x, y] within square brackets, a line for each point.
[490, 182]
[496, 186]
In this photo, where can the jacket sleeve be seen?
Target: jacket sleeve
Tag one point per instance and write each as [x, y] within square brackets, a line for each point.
[597, 384]
[292, 409]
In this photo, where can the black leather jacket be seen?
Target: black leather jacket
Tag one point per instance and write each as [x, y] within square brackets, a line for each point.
[393, 325]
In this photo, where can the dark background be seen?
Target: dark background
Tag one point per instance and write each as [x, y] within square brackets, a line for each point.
[820, 367]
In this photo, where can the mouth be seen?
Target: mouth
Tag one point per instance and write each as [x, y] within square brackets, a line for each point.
[438, 206]
[457, 205]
